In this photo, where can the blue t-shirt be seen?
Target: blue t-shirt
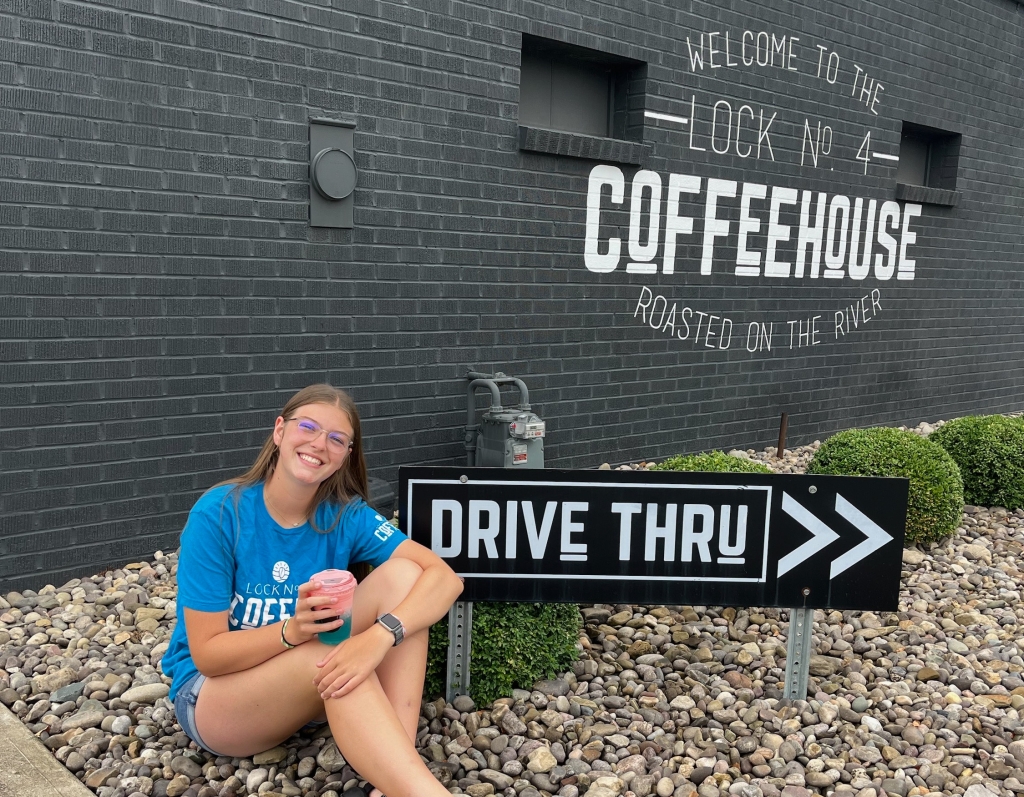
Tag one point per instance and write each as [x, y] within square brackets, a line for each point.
[234, 556]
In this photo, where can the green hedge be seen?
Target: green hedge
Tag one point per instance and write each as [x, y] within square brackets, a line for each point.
[513, 645]
[712, 462]
[936, 500]
[989, 449]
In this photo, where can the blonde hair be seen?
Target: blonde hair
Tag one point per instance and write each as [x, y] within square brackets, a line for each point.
[341, 487]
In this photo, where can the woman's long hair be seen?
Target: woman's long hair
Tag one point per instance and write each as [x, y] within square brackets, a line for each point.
[348, 482]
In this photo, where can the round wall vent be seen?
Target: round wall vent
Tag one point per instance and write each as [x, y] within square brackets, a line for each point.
[334, 173]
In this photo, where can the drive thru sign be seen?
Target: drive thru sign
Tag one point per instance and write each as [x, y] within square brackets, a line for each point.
[713, 539]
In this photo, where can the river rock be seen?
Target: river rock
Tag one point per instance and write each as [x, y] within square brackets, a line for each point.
[912, 556]
[186, 766]
[557, 687]
[275, 755]
[87, 718]
[541, 760]
[70, 692]
[255, 779]
[53, 681]
[147, 693]
[330, 758]
[499, 780]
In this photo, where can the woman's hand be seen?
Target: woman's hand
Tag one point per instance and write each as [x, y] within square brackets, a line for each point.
[349, 664]
[303, 625]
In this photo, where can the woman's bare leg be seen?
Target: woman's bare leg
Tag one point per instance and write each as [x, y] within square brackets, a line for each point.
[236, 717]
[380, 750]
[402, 672]
[246, 712]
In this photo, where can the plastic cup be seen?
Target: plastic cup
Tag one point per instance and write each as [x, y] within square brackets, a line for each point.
[339, 584]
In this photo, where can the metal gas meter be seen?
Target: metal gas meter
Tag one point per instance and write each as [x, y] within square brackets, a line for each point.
[504, 437]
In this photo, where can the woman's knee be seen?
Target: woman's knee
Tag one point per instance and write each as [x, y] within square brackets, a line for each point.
[400, 574]
[388, 584]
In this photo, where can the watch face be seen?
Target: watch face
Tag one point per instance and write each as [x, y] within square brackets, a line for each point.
[390, 622]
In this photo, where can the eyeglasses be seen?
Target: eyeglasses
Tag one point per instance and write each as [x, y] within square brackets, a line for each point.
[310, 430]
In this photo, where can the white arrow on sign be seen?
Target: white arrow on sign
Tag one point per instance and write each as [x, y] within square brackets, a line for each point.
[823, 535]
[876, 536]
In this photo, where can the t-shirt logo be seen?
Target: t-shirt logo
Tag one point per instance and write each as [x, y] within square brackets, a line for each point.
[384, 530]
[280, 572]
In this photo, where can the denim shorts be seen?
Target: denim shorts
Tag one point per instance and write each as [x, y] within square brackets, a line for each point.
[185, 709]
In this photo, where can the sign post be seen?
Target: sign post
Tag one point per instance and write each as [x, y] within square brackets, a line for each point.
[657, 537]
[460, 642]
[798, 653]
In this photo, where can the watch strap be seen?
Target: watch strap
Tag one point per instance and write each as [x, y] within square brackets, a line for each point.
[394, 625]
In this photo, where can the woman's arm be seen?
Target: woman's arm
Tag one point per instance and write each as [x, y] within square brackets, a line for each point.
[219, 651]
[432, 594]
[435, 589]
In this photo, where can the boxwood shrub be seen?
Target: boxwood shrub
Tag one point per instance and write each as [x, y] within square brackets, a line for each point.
[512, 645]
[712, 462]
[989, 449]
[936, 500]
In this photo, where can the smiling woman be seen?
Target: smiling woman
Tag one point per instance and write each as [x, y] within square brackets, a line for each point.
[247, 666]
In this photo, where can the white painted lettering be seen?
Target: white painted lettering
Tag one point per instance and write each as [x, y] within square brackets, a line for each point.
[481, 531]
[712, 50]
[666, 533]
[714, 227]
[511, 528]
[838, 228]
[810, 234]
[778, 233]
[572, 551]
[601, 176]
[725, 547]
[676, 225]
[739, 118]
[645, 293]
[625, 513]
[748, 264]
[438, 508]
[693, 122]
[905, 271]
[699, 538]
[696, 56]
[860, 270]
[728, 58]
[763, 135]
[727, 125]
[538, 539]
[643, 254]
[747, 34]
[885, 266]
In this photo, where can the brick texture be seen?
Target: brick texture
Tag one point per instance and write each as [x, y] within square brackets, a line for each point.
[161, 294]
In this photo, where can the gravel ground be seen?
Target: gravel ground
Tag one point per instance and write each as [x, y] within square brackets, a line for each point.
[664, 700]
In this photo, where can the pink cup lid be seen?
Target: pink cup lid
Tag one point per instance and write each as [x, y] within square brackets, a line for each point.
[335, 579]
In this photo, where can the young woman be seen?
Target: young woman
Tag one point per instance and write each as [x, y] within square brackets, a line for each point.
[246, 666]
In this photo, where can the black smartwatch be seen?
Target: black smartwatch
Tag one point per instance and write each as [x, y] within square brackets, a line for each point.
[394, 625]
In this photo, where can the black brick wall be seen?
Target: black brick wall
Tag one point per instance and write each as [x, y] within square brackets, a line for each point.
[161, 294]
